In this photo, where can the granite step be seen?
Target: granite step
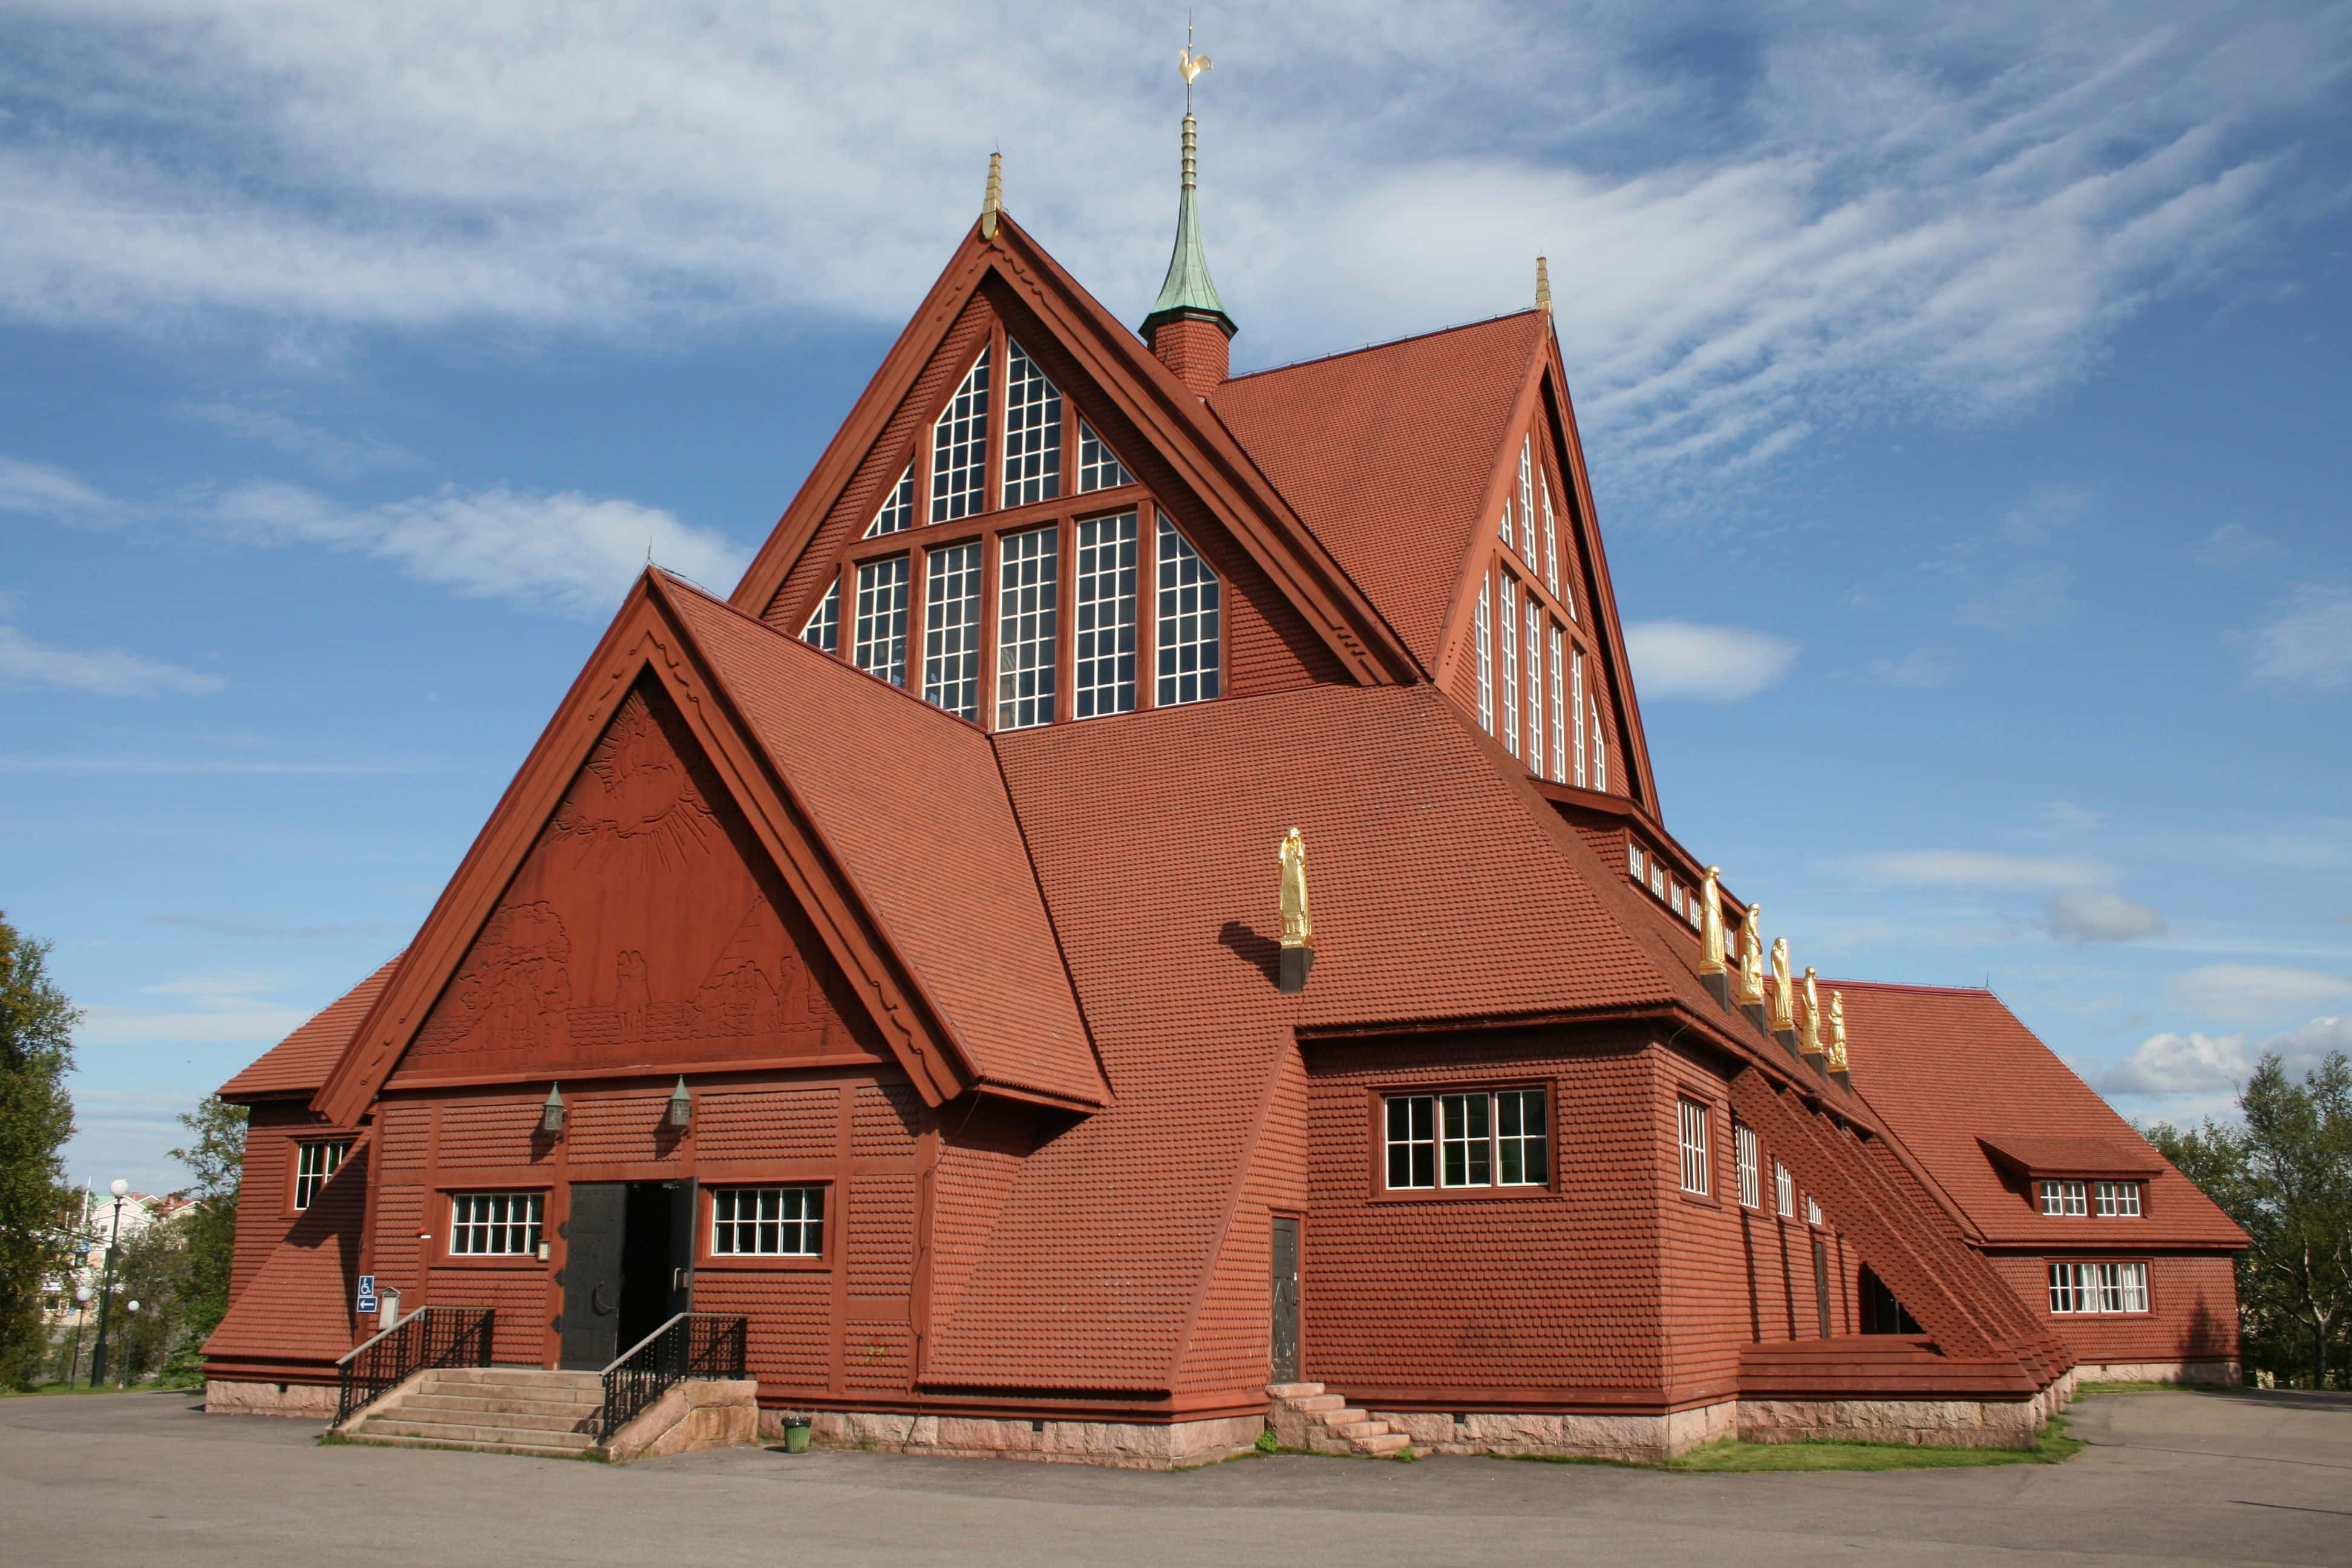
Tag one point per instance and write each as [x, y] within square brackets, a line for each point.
[528, 1450]
[476, 1437]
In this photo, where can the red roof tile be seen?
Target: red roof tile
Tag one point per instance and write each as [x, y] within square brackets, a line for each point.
[301, 1062]
[1948, 1069]
[2074, 1156]
[1387, 454]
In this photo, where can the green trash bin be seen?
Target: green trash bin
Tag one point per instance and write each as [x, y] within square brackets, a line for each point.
[796, 1434]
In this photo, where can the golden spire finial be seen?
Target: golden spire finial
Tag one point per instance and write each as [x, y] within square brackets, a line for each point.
[1298, 924]
[1751, 957]
[1710, 931]
[1543, 288]
[993, 202]
[1784, 1011]
[1837, 1031]
[1809, 1037]
[1190, 65]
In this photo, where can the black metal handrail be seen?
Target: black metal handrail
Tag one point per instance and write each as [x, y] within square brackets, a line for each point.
[690, 1345]
[430, 1336]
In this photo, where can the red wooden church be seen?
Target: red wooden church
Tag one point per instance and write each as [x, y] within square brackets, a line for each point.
[895, 956]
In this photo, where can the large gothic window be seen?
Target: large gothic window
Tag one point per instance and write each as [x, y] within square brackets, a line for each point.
[881, 648]
[824, 627]
[897, 513]
[1192, 607]
[951, 631]
[1028, 581]
[1486, 656]
[1507, 613]
[1098, 467]
[1032, 431]
[1104, 674]
[959, 448]
[1558, 708]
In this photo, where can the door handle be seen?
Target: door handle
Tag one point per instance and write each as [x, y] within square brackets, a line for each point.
[596, 1302]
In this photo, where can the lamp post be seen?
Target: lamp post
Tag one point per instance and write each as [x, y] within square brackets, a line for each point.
[121, 1189]
[130, 1307]
[81, 1316]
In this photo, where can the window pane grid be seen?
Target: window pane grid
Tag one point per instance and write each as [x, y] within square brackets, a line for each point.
[1413, 1141]
[959, 448]
[1104, 677]
[489, 1224]
[314, 1164]
[1576, 689]
[1464, 1142]
[1507, 611]
[1559, 708]
[1784, 1190]
[1486, 658]
[1522, 1139]
[1527, 498]
[2063, 1199]
[1751, 1185]
[2118, 1200]
[882, 619]
[767, 1222]
[1032, 431]
[1551, 554]
[1027, 579]
[2098, 1288]
[1600, 751]
[1691, 1118]
[897, 513]
[1191, 599]
[951, 631]
[1535, 686]
[824, 628]
[1098, 467]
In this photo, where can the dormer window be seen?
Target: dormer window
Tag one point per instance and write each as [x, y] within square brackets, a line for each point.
[959, 448]
[897, 513]
[1098, 467]
[1032, 431]
[2116, 1200]
[2062, 1200]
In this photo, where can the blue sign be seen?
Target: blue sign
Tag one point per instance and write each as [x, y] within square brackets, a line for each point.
[367, 1293]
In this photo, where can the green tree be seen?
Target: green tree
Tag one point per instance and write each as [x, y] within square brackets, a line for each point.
[2284, 1174]
[216, 1158]
[35, 1119]
[151, 1271]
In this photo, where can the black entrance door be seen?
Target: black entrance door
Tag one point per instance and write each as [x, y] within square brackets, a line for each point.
[1286, 1298]
[629, 1265]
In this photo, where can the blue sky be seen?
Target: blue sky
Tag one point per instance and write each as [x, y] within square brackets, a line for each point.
[1966, 398]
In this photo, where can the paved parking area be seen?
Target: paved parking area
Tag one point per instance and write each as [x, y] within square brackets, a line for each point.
[2171, 1478]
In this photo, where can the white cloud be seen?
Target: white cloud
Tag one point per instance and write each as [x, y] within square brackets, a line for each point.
[221, 1010]
[2310, 643]
[2092, 914]
[1891, 206]
[2250, 991]
[567, 553]
[2206, 1064]
[45, 492]
[105, 672]
[1980, 869]
[1675, 659]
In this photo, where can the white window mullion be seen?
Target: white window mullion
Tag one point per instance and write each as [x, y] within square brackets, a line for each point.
[1104, 679]
[1486, 656]
[1559, 708]
[1576, 693]
[1551, 552]
[951, 631]
[1190, 645]
[1535, 685]
[1032, 431]
[1507, 611]
[1027, 618]
[959, 448]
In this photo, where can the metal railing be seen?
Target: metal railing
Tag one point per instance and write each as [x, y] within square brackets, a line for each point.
[690, 1345]
[430, 1336]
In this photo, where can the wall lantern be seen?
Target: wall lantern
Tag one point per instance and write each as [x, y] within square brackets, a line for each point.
[681, 1105]
[551, 1111]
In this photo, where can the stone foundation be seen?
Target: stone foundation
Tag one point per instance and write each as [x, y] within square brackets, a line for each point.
[2225, 1373]
[1639, 1437]
[1918, 1422]
[306, 1401]
[1133, 1445]
[706, 1412]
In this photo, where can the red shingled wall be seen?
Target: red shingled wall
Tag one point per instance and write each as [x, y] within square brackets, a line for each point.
[1702, 1261]
[1230, 1348]
[2192, 1300]
[265, 1191]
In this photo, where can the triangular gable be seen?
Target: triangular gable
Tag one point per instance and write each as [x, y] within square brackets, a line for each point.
[1202, 457]
[649, 640]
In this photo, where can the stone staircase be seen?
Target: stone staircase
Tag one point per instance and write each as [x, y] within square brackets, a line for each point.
[1304, 1417]
[496, 1409]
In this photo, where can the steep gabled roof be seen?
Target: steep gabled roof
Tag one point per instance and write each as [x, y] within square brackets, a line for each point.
[935, 989]
[301, 1062]
[1949, 1068]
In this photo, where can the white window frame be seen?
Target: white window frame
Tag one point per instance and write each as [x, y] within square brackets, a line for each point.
[1784, 1190]
[1527, 498]
[824, 627]
[1102, 676]
[1190, 648]
[497, 1225]
[1507, 611]
[1559, 707]
[2065, 1200]
[1812, 1211]
[2116, 1200]
[2102, 1290]
[1098, 467]
[951, 629]
[1028, 645]
[1600, 750]
[1637, 865]
[779, 1221]
[1746, 1155]
[316, 1160]
[960, 448]
[1691, 1135]
[1033, 431]
[1409, 1122]
[1576, 689]
[1535, 683]
[1551, 556]
[1467, 1140]
[880, 644]
[897, 513]
[1486, 656]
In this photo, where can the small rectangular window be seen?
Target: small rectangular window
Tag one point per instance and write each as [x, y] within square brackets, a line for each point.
[1098, 467]
[951, 631]
[767, 1222]
[2063, 1199]
[1691, 1118]
[897, 513]
[1192, 598]
[824, 628]
[314, 1162]
[1486, 656]
[1812, 1211]
[1637, 864]
[1657, 879]
[1466, 1140]
[495, 1225]
[1028, 575]
[1784, 1190]
[2098, 1288]
[1032, 431]
[959, 448]
[1413, 1141]
[1751, 1183]
[2118, 1200]
[881, 648]
[1105, 670]
[1522, 1139]
[1674, 897]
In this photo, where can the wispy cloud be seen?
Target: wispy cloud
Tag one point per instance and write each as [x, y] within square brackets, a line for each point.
[1724, 664]
[331, 451]
[231, 1009]
[45, 492]
[2253, 992]
[1919, 669]
[2308, 644]
[101, 672]
[569, 552]
[2177, 1064]
[2094, 914]
[272, 931]
[1981, 869]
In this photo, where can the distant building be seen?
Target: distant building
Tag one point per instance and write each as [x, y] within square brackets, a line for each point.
[90, 1227]
[895, 954]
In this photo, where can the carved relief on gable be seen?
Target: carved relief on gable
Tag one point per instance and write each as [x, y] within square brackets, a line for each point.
[633, 932]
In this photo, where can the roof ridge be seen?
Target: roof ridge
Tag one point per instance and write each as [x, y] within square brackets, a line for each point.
[1368, 348]
[1906, 985]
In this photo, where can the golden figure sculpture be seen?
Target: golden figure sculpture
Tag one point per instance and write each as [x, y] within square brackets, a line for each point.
[1710, 898]
[1298, 924]
[1837, 1031]
[1809, 1039]
[1784, 1012]
[1751, 957]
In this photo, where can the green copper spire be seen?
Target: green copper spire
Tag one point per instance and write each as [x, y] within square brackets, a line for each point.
[1188, 291]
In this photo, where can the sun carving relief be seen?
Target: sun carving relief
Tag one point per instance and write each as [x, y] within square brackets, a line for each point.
[634, 931]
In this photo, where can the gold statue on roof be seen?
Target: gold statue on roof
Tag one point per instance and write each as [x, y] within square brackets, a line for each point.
[1784, 1013]
[1710, 930]
[1809, 1037]
[1751, 957]
[1298, 924]
[1837, 1031]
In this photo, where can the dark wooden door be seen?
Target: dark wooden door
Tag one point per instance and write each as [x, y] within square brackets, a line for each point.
[1822, 1284]
[1286, 1298]
[593, 1238]
[683, 1215]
